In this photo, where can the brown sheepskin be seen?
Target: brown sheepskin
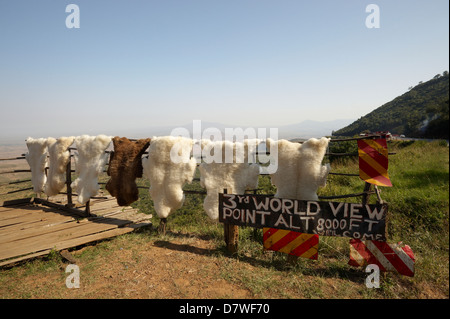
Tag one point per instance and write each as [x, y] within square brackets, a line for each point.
[125, 165]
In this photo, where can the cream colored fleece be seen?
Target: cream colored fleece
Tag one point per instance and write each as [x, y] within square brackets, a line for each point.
[37, 159]
[59, 157]
[168, 168]
[300, 171]
[219, 175]
[90, 162]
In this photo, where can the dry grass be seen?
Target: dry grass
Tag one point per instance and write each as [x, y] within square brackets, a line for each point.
[190, 261]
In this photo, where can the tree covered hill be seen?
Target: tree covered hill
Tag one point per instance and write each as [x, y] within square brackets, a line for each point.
[423, 111]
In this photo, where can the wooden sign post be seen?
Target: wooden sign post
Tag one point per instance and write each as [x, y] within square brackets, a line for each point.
[231, 235]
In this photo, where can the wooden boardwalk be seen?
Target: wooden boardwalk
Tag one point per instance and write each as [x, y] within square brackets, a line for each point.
[29, 229]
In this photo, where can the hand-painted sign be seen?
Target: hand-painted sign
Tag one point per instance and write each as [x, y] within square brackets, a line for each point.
[354, 220]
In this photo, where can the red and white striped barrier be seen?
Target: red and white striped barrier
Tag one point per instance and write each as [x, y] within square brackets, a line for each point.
[292, 243]
[388, 257]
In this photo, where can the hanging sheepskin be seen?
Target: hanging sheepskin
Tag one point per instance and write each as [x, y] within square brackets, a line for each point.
[90, 162]
[235, 176]
[37, 159]
[300, 171]
[169, 167]
[125, 165]
[59, 157]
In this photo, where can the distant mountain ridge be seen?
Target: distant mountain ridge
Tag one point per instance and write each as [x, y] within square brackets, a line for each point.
[302, 130]
[422, 112]
[308, 128]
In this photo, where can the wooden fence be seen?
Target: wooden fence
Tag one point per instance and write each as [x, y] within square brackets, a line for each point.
[230, 231]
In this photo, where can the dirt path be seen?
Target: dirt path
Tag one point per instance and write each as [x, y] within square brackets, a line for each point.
[185, 266]
[161, 269]
[122, 268]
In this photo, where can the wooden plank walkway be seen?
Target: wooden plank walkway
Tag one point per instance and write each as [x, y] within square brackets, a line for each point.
[29, 230]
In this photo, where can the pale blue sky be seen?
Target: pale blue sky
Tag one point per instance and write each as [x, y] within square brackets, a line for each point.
[259, 63]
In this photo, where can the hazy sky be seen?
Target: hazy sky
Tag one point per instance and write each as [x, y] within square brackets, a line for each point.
[260, 63]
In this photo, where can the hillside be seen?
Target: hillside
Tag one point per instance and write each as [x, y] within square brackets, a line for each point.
[422, 112]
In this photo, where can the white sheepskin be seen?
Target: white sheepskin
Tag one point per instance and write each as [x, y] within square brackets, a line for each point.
[300, 171]
[90, 162]
[59, 157]
[168, 167]
[37, 159]
[235, 177]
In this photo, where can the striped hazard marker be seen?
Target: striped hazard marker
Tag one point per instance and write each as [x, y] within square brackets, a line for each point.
[388, 257]
[373, 161]
[291, 242]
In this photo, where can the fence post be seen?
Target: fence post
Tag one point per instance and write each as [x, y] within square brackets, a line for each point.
[366, 195]
[69, 182]
[87, 211]
[162, 226]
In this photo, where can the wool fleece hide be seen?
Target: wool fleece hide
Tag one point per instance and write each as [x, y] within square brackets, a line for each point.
[59, 157]
[215, 176]
[300, 171]
[169, 167]
[125, 165]
[89, 164]
[37, 159]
